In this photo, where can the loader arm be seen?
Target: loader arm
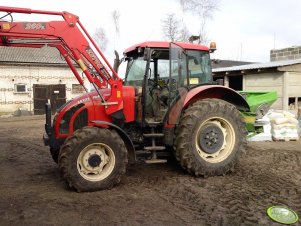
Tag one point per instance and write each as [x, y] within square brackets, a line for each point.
[73, 42]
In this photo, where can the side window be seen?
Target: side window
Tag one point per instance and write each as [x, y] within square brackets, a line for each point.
[199, 66]
[163, 68]
[178, 65]
[20, 88]
[183, 70]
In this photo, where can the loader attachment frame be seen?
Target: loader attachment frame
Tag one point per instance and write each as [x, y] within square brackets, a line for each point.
[74, 43]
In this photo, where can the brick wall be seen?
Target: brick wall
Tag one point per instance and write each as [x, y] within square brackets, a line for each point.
[290, 53]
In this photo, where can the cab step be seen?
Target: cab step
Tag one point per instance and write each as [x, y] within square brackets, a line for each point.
[155, 161]
[154, 148]
[155, 135]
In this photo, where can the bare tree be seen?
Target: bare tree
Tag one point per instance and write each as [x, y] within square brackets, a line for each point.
[174, 29]
[116, 16]
[170, 27]
[203, 36]
[100, 38]
[204, 9]
[184, 33]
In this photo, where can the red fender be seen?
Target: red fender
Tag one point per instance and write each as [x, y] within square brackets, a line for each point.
[217, 92]
[188, 97]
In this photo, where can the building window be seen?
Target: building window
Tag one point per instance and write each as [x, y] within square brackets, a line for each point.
[20, 88]
[77, 88]
[235, 82]
[294, 103]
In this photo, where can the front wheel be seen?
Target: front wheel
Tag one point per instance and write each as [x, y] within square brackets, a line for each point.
[210, 137]
[93, 159]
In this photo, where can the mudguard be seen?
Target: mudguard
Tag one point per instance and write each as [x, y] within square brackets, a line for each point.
[127, 140]
[217, 92]
[187, 97]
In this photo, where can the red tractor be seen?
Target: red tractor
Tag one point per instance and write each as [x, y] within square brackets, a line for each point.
[166, 105]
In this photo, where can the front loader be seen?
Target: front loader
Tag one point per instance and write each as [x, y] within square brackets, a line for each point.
[166, 106]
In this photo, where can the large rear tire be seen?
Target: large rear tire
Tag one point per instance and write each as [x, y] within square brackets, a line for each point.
[210, 138]
[93, 159]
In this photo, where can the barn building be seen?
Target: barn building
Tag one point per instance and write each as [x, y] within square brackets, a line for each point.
[31, 77]
[282, 74]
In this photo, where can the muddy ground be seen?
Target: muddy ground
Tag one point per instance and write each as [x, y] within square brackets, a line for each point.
[33, 193]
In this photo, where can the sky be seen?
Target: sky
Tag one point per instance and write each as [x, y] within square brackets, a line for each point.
[243, 30]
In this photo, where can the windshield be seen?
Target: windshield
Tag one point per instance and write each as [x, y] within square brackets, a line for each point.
[135, 71]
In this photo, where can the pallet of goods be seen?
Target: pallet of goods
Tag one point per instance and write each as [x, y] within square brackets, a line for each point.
[284, 126]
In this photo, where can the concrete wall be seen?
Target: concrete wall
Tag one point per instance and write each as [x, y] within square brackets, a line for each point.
[266, 82]
[10, 75]
[290, 53]
[294, 84]
[286, 84]
[286, 81]
[294, 90]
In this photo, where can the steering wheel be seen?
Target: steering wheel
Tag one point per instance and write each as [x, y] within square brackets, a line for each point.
[155, 84]
[171, 84]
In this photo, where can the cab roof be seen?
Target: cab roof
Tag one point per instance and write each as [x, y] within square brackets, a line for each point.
[165, 45]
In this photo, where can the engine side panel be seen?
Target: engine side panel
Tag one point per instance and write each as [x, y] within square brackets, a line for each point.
[129, 103]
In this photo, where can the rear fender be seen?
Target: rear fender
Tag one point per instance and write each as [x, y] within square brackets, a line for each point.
[217, 92]
[204, 92]
[126, 139]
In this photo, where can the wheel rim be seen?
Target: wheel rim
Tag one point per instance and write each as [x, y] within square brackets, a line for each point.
[215, 139]
[96, 162]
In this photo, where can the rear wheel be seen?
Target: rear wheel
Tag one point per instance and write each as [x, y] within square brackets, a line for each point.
[210, 137]
[93, 159]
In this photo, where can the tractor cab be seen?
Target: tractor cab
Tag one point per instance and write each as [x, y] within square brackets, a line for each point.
[163, 73]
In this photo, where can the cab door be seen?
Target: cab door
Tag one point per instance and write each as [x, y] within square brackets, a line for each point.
[178, 81]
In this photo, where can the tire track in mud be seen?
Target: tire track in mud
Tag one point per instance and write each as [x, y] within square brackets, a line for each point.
[22, 154]
[263, 178]
[193, 196]
[27, 144]
[182, 191]
[161, 181]
[260, 186]
[240, 198]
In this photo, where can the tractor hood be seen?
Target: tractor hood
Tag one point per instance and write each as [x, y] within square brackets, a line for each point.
[86, 97]
[92, 100]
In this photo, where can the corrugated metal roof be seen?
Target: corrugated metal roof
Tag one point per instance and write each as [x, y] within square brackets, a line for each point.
[45, 55]
[258, 66]
[217, 63]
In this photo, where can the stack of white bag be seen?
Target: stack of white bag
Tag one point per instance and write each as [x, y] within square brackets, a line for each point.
[284, 125]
